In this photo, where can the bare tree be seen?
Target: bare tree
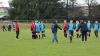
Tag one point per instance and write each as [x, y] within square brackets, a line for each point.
[73, 7]
[91, 5]
[67, 7]
[70, 5]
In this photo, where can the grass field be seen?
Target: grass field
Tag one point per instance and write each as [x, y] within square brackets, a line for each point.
[25, 46]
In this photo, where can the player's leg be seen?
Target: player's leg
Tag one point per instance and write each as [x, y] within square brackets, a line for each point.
[72, 33]
[85, 36]
[96, 33]
[3, 29]
[56, 37]
[53, 39]
[65, 33]
[70, 36]
[36, 36]
[77, 34]
[89, 33]
[33, 36]
[10, 29]
[70, 39]
[42, 34]
[39, 35]
[17, 35]
[82, 36]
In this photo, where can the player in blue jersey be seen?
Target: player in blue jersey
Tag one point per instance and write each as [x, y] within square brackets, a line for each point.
[76, 28]
[70, 29]
[43, 28]
[96, 28]
[38, 29]
[89, 27]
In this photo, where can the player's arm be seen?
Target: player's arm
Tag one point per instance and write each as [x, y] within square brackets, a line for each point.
[58, 27]
[44, 26]
[79, 26]
[93, 26]
[90, 26]
[74, 26]
[52, 28]
[31, 28]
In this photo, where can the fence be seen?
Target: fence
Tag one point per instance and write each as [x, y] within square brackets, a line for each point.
[26, 23]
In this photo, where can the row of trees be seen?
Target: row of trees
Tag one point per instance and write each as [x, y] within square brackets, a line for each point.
[47, 9]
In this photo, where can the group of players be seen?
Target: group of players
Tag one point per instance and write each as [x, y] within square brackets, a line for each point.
[8, 28]
[37, 28]
[81, 28]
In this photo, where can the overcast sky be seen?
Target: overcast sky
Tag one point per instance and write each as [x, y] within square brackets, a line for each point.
[79, 1]
[5, 3]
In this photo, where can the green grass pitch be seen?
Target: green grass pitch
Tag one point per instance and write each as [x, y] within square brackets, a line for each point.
[26, 46]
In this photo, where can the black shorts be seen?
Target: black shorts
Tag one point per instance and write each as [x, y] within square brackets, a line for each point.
[65, 31]
[34, 35]
[17, 32]
[89, 30]
[43, 31]
[71, 32]
[38, 32]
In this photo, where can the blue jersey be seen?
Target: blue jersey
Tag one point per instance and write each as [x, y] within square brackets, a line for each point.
[76, 26]
[37, 27]
[71, 27]
[96, 27]
[89, 26]
[43, 27]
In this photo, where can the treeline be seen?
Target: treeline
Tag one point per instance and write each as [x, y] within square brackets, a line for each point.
[52, 9]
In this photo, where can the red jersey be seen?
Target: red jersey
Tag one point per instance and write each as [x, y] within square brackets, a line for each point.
[33, 27]
[17, 27]
[65, 26]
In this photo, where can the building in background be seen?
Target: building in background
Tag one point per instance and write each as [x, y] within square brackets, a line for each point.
[3, 9]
